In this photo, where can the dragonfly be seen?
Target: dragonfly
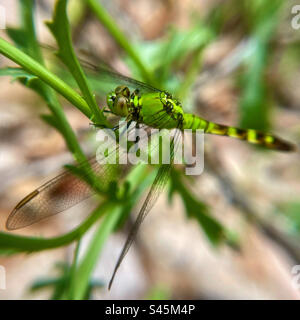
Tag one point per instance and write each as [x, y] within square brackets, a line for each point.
[146, 106]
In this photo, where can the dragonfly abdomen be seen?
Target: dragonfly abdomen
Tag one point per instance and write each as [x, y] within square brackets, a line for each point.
[252, 136]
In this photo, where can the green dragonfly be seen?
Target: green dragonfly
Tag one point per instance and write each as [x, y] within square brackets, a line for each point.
[143, 105]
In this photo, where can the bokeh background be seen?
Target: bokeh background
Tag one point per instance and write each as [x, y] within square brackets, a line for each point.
[237, 63]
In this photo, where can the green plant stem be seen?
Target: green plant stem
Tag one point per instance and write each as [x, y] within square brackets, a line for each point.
[60, 29]
[92, 254]
[72, 280]
[33, 50]
[27, 20]
[25, 39]
[119, 37]
[139, 179]
[9, 242]
[190, 75]
[42, 73]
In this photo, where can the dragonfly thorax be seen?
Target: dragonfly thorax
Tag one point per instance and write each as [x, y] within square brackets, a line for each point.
[153, 109]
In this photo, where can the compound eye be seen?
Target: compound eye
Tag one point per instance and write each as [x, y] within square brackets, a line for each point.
[126, 92]
[121, 106]
[122, 90]
[119, 89]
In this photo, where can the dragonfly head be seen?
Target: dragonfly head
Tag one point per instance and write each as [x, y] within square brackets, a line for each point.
[118, 101]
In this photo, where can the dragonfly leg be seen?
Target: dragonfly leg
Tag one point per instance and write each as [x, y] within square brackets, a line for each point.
[116, 128]
[128, 124]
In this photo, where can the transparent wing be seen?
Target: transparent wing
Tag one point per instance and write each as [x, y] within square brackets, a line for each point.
[57, 195]
[156, 189]
[103, 78]
[67, 189]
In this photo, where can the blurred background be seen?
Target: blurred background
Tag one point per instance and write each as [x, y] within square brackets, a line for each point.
[232, 62]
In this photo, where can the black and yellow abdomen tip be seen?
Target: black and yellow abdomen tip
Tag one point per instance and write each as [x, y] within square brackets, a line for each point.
[269, 141]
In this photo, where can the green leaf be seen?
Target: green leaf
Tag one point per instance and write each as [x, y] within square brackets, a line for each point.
[87, 264]
[182, 43]
[163, 56]
[72, 272]
[136, 184]
[10, 243]
[38, 70]
[196, 209]
[19, 36]
[60, 29]
[291, 212]
[50, 120]
[159, 292]
[256, 100]
[59, 284]
[17, 73]
[47, 282]
[138, 180]
[110, 24]
[25, 38]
